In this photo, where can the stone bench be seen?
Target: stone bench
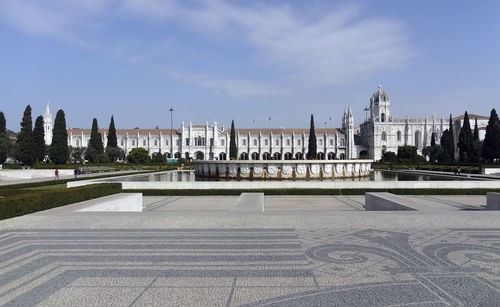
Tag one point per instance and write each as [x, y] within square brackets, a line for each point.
[492, 201]
[383, 201]
[121, 202]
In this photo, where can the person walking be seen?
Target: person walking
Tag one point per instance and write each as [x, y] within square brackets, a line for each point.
[56, 174]
[75, 171]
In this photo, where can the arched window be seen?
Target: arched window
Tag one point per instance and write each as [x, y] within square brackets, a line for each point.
[266, 142]
[342, 142]
[417, 139]
[77, 143]
[384, 136]
[254, 142]
[298, 142]
[277, 142]
[331, 142]
[222, 142]
[399, 135]
[166, 142]
[156, 142]
[288, 143]
[133, 142]
[143, 142]
[382, 117]
[244, 142]
[320, 142]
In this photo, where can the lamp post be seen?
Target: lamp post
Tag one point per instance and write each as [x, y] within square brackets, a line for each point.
[171, 135]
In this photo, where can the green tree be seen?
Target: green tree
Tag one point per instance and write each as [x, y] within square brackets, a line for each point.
[491, 143]
[59, 151]
[447, 148]
[95, 147]
[476, 131]
[157, 157]
[465, 141]
[312, 150]
[25, 139]
[138, 155]
[39, 140]
[433, 140]
[233, 150]
[4, 140]
[389, 157]
[112, 139]
[115, 153]
[407, 153]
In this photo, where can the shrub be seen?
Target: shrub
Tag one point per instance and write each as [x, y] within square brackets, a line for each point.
[138, 155]
[31, 202]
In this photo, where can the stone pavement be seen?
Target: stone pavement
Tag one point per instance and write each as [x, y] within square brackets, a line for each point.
[302, 250]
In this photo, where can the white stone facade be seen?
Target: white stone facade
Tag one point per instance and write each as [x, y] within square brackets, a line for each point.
[378, 134]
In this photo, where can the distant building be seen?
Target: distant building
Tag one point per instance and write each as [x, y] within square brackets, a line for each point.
[379, 133]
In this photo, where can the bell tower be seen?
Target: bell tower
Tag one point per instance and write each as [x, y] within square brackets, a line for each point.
[380, 106]
[47, 125]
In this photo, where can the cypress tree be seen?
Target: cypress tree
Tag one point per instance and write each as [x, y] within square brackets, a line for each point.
[112, 139]
[447, 148]
[39, 140]
[59, 151]
[491, 144]
[25, 139]
[433, 140]
[451, 141]
[465, 141]
[96, 147]
[312, 148]
[476, 131]
[233, 150]
[4, 141]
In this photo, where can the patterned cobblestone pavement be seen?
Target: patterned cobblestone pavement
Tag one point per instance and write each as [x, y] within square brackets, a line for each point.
[313, 251]
[254, 266]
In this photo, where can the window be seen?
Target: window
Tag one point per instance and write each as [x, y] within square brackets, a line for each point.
[122, 142]
[254, 142]
[266, 142]
[199, 141]
[244, 142]
[178, 142]
[156, 142]
[211, 141]
[143, 142]
[399, 135]
[382, 117]
[277, 142]
[331, 142]
[287, 142]
[77, 143]
[166, 142]
[133, 142]
[298, 142]
[384, 136]
[187, 142]
[342, 142]
[320, 142]
[222, 142]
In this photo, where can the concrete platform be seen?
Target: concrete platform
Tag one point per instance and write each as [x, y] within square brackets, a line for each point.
[302, 250]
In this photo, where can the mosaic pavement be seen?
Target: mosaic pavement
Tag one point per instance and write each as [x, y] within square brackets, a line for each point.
[250, 267]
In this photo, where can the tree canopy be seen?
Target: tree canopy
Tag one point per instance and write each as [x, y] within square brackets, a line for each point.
[491, 143]
[59, 151]
[39, 140]
[95, 147]
[25, 139]
[312, 150]
[465, 141]
[233, 149]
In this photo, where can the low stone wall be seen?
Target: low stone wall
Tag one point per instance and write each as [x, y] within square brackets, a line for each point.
[283, 170]
[17, 174]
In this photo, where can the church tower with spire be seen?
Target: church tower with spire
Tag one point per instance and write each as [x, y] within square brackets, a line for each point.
[47, 125]
[348, 127]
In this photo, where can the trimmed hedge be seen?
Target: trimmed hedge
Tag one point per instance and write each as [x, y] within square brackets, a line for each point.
[209, 192]
[31, 202]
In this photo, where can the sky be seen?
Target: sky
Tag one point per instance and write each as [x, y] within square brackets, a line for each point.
[246, 60]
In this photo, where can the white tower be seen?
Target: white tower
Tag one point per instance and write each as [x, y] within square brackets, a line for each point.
[348, 127]
[380, 106]
[47, 125]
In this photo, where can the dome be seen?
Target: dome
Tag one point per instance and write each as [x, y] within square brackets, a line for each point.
[379, 95]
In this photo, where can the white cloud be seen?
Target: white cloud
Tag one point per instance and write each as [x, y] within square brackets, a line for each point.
[336, 47]
[231, 87]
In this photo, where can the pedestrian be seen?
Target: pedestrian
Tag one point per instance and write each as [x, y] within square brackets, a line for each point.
[455, 170]
[75, 172]
[459, 170]
[56, 173]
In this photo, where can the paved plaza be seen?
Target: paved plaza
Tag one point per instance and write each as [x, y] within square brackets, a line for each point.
[292, 250]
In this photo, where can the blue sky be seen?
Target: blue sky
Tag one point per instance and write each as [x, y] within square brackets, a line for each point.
[245, 60]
